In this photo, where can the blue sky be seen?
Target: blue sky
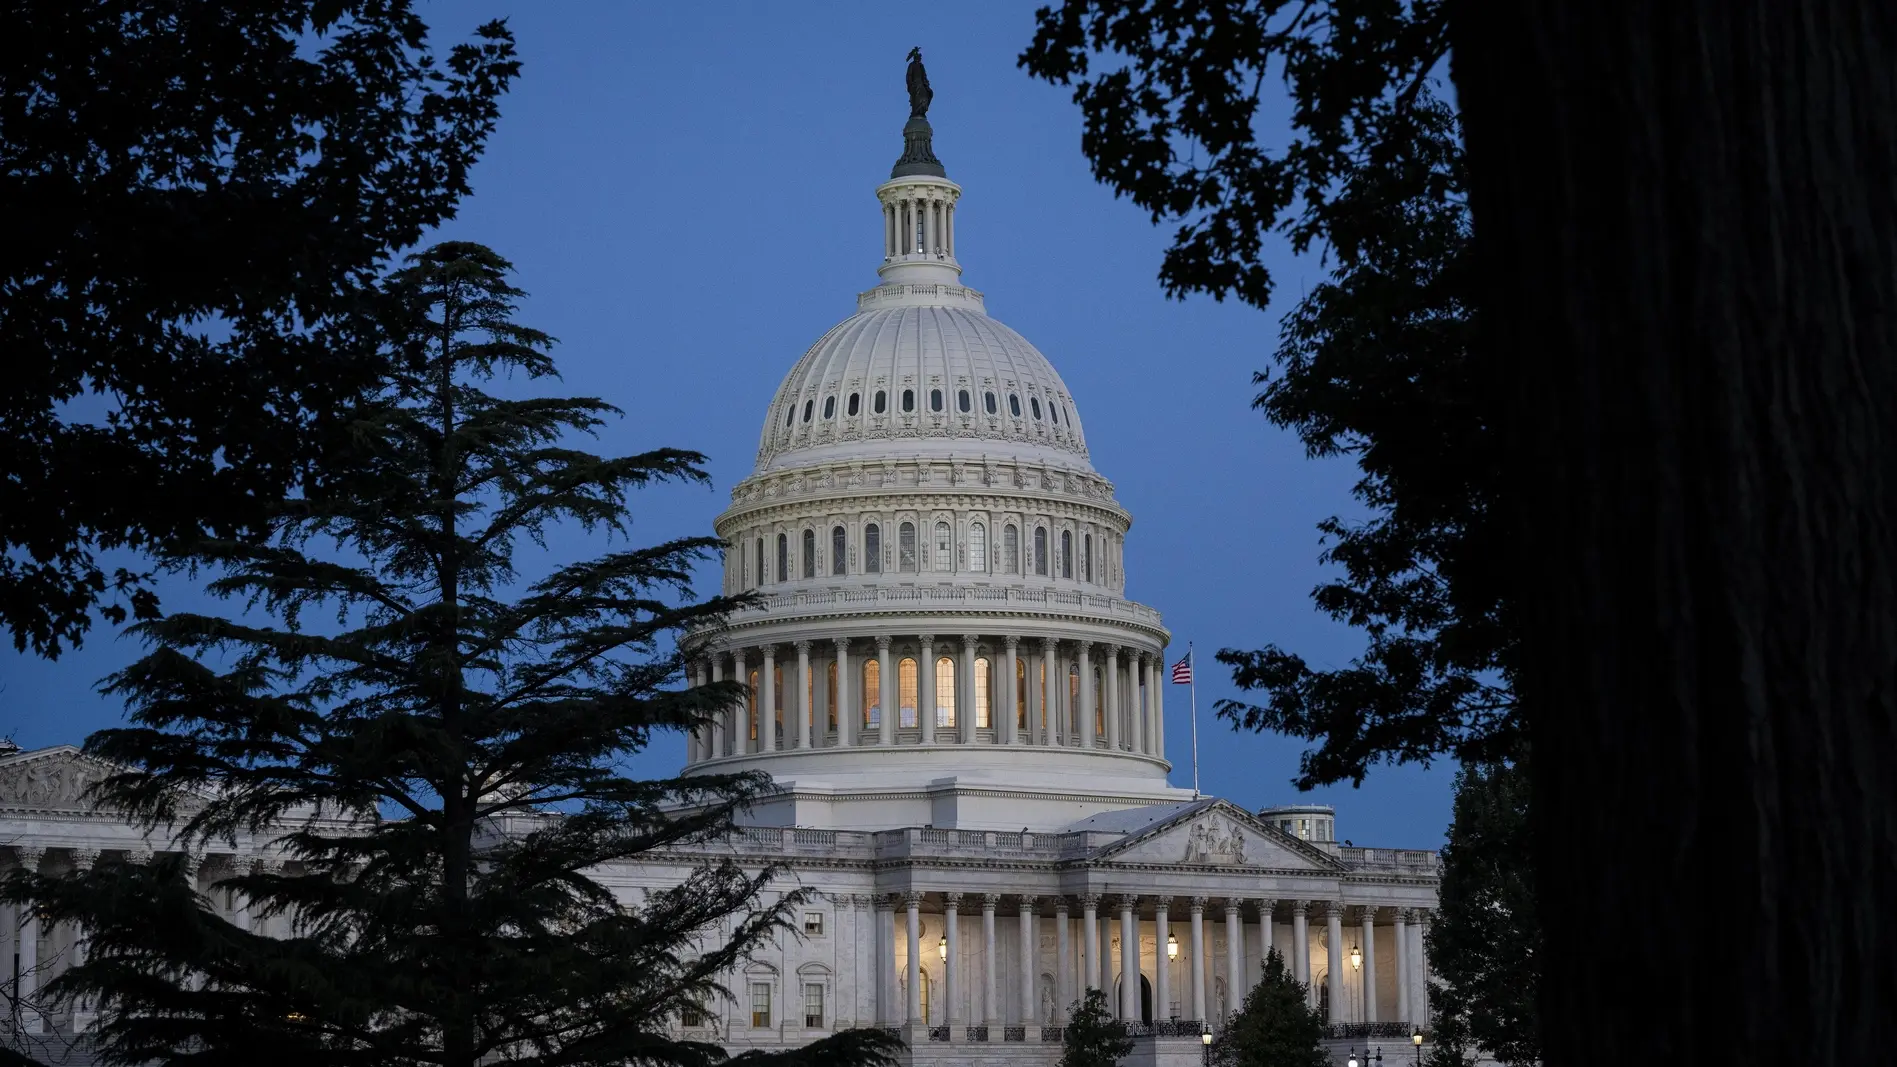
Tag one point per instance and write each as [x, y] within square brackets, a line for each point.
[685, 190]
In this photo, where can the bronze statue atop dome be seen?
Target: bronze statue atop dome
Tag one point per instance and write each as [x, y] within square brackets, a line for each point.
[918, 154]
[919, 92]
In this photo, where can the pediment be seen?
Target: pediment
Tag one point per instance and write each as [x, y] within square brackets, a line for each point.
[1219, 834]
[51, 779]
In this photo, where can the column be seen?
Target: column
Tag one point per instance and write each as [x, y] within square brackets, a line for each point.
[1159, 704]
[1198, 960]
[1029, 972]
[27, 923]
[886, 960]
[1089, 941]
[1162, 964]
[1234, 957]
[990, 963]
[1106, 959]
[913, 1015]
[82, 1014]
[1369, 965]
[1135, 688]
[1010, 732]
[1301, 949]
[1063, 966]
[952, 965]
[741, 734]
[1129, 959]
[1266, 935]
[886, 684]
[718, 717]
[1050, 713]
[696, 743]
[1087, 695]
[966, 702]
[767, 688]
[1334, 931]
[1419, 968]
[803, 694]
[1401, 932]
[1113, 697]
[925, 689]
[846, 688]
[1037, 697]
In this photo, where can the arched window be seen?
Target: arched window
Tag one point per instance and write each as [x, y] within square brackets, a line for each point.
[872, 549]
[906, 693]
[1086, 557]
[935, 400]
[1073, 699]
[783, 558]
[961, 401]
[1099, 700]
[1010, 549]
[944, 548]
[855, 405]
[1040, 551]
[1067, 553]
[839, 550]
[1034, 405]
[984, 695]
[882, 401]
[808, 404]
[1014, 404]
[810, 553]
[908, 400]
[988, 402]
[760, 562]
[1021, 692]
[978, 548]
[944, 691]
[831, 698]
[751, 705]
[829, 407]
[906, 548]
[872, 693]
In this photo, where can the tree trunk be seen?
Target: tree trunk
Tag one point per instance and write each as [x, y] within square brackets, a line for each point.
[1686, 223]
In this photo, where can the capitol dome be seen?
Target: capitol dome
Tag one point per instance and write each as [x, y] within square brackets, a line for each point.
[938, 631]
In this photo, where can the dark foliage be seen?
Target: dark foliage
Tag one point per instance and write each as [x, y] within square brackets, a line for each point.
[465, 723]
[1275, 1027]
[1093, 1037]
[201, 198]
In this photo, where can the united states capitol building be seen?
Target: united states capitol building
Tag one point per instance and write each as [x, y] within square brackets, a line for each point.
[964, 713]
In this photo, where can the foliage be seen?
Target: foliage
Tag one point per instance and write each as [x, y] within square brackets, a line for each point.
[466, 719]
[201, 200]
[1485, 941]
[1275, 1027]
[1093, 1037]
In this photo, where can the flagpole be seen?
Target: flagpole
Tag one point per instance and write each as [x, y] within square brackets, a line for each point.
[1192, 683]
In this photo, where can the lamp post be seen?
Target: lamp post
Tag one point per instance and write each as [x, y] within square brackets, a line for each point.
[1417, 1040]
[1205, 1039]
[1172, 946]
[1352, 1061]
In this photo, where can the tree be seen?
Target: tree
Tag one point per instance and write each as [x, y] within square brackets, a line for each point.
[1275, 1027]
[1092, 1036]
[201, 199]
[1485, 939]
[468, 717]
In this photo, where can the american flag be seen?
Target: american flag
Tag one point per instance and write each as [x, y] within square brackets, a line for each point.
[1182, 672]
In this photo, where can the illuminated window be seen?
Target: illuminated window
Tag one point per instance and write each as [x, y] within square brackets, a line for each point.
[1040, 551]
[761, 1004]
[839, 550]
[872, 693]
[944, 548]
[983, 695]
[831, 683]
[810, 553]
[1021, 692]
[978, 548]
[1010, 549]
[906, 693]
[944, 691]
[872, 549]
[1067, 553]
[906, 548]
[813, 923]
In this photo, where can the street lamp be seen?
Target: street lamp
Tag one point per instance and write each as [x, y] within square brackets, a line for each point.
[1205, 1039]
[1172, 946]
[1352, 1061]
[1417, 1040]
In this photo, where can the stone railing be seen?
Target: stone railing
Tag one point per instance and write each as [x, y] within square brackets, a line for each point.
[1166, 1028]
[1382, 1031]
[1400, 860]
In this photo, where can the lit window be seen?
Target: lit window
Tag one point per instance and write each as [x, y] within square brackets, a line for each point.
[988, 402]
[872, 549]
[1010, 549]
[813, 1006]
[839, 549]
[944, 691]
[961, 401]
[1034, 405]
[808, 404]
[761, 1004]
[831, 693]
[906, 693]
[810, 553]
[908, 400]
[872, 693]
[978, 548]
[855, 405]
[1067, 553]
[813, 923]
[882, 401]
[984, 702]
[829, 407]
[906, 548]
[1014, 405]
[783, 558]
[935, 400]
[944, 548]
[1040, 551]
[1021, 692]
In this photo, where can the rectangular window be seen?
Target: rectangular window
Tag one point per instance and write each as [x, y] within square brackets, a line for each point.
[872, 693]
[761, 1004]
[944, 691]
[944, 548]
[813, 923]
[873, 549]
[983, 705]
[813, 1006]
[906, 548]
[692, 1016]
[906, 694]
[1010, 549]
[839, 550]
[1040, 551]
[1021, 692]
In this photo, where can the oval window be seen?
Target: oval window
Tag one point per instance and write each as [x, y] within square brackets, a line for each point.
[790, 415]
[1014, 405]
[882, 401]
[935, 400]
[988, 401]
[1053, 411]
[961, 401]
[908, 400]
[808, 406]
[856, 400]
[1034, 405]
[829, 407]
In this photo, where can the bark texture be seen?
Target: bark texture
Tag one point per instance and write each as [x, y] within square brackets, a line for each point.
[1686, 219]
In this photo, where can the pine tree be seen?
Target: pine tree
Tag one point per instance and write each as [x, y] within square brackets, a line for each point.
[468, 716]
[1275, 1027]
[1092, 1036]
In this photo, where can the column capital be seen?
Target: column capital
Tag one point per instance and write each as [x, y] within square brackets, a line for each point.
[928, 640]
[969, 641]
[1011, 641]
[1198, 904]
[842, 643]
[802, 647]
[989, 901]
[1334, 909]
[1300, 907]
[1061, 907]
[1367, 913]
[1162, 903]
[84, 858]
[1028, 902]
[912, 899]
[1089, 901]
[1049, 644]
[770, 652]
[952, 901]
[1110, 650]
[1266, 906]
[29, 857]
[1129, 901]
[883, 641]
[884, 901]
[1232, 906]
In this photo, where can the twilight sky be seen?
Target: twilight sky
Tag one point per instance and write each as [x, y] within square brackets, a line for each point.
[685, 190]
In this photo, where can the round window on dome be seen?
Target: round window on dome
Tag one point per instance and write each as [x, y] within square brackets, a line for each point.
[829, 407]
[935, 400]
[808, 405]
[856, 403]
[882, 401]
[908, 400]
[1034, 405]
[1014, 405]
[988, 401]
[961, 401]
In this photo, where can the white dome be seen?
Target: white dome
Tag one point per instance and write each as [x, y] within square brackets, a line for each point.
[971, 386]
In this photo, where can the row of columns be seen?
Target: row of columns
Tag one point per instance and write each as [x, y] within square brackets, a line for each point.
[1095, 968]
[920, 224]
[1134, 677]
